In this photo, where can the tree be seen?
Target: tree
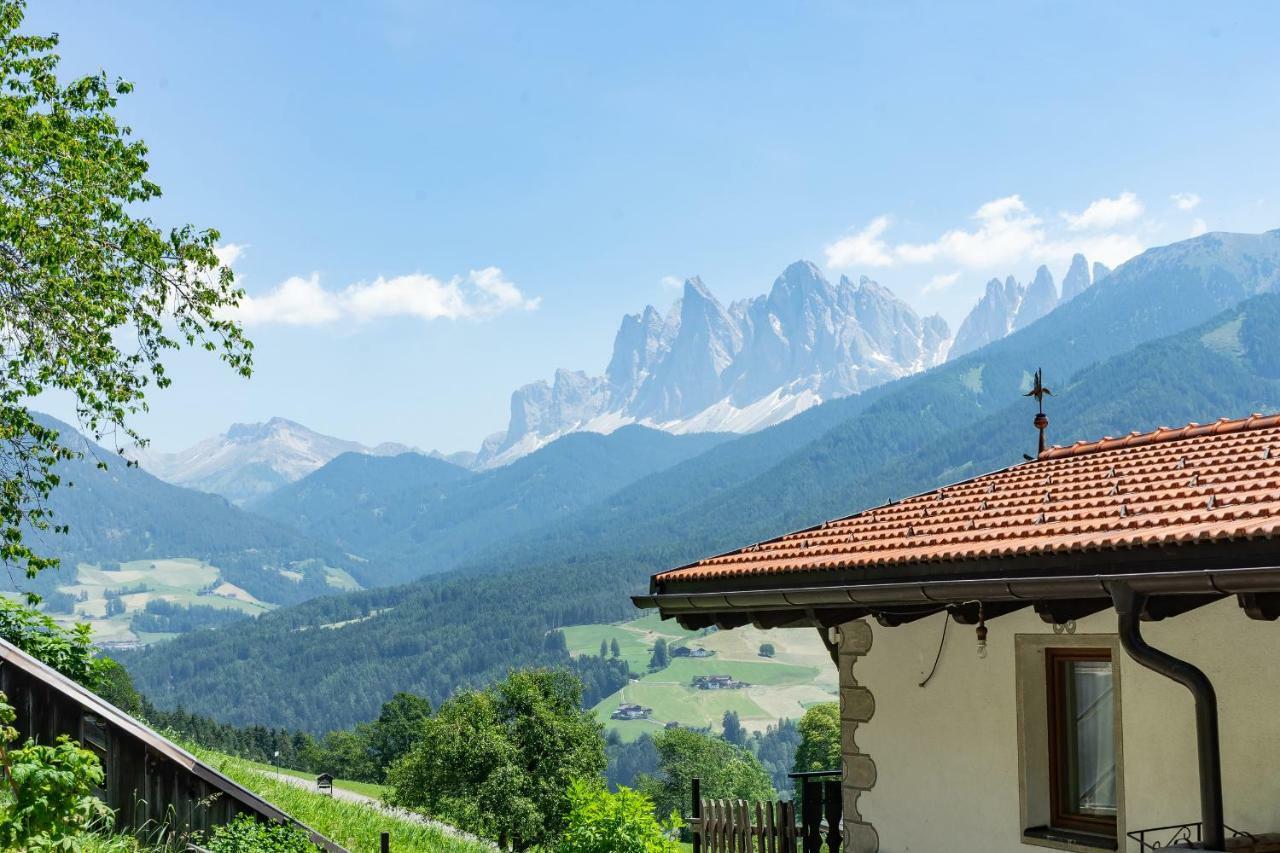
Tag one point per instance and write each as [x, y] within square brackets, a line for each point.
[733, 731]
[767, 650]
[614, 650]
[498, 762]
[68, 650]
[621, 822]
[819, 739]
[93, 294]
[661, 658]
[604, 648]
[399, 726]
[726, 772]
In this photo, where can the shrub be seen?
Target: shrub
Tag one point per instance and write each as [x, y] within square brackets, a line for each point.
[47, 794]
[68, 650]
[601, 822]
[247, 835]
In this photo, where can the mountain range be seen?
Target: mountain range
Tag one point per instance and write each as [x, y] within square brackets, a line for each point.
[700, 367]
[704, 366]
[251, 460]
[1182, 332]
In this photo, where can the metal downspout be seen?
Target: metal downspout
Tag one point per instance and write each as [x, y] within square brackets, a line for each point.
[1129, 606]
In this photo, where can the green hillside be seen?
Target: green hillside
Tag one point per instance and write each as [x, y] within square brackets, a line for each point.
[416, 516]
[942, 425]
[120, 514]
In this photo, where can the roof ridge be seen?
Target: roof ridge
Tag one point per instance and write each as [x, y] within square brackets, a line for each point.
[1161, 435]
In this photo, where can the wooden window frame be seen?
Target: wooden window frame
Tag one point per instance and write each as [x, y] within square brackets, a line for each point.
[1055, 685]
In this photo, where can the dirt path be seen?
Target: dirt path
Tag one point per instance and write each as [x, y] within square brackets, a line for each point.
[378, 805]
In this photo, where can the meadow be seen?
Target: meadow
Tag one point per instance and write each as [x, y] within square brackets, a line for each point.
[355, 826]
[799, 674]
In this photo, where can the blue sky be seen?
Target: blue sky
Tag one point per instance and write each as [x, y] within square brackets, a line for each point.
[431, 204]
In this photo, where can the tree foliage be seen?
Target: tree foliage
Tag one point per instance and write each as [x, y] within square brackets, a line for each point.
[819, 739]
[246, 835]
[94, 294]
[498, 762]
[68, 650]
[46, 794]
[619, 822]
[725, 771]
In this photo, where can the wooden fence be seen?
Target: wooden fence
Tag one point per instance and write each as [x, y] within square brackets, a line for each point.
[735, 826]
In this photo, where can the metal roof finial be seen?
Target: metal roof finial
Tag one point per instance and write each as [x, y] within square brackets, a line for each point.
[1039, 391]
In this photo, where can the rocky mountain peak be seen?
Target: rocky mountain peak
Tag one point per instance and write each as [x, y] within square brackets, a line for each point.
[1077, 278]
[1040, 299]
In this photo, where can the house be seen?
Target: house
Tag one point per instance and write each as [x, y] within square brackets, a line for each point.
[717, 682]
[1074, 653]
[686, 652]
[150, 781]
[631, 712]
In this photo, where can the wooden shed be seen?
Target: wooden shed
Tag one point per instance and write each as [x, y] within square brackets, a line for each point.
[149, 779]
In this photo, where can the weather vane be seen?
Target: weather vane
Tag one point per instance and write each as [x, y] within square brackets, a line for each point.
[1039, 391]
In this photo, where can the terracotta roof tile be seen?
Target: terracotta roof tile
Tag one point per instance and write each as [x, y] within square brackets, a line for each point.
[1194, 483]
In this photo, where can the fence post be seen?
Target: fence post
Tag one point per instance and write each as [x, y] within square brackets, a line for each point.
[697, 815]
[811, 814]
[834, 808]
[385, 842]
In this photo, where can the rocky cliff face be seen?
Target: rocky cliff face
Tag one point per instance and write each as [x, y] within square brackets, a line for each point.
[705, 366]
[1005, 308]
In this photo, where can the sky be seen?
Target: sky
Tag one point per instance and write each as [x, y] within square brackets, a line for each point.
[430, 204]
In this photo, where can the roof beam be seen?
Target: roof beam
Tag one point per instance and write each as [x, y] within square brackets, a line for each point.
[1060, 612]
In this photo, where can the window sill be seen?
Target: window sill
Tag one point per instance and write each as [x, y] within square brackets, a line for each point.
[1068, 839]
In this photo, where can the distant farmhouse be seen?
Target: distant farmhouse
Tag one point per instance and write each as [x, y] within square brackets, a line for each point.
[686, 652]
[717, 682]
[631, 712]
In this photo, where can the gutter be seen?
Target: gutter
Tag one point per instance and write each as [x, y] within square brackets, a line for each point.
[1129, 607]
[1232, 581]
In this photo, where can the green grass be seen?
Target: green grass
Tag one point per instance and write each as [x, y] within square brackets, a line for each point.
[635, 638]
[368, 789]
[179, 580]
[766, 672]
[352, 825]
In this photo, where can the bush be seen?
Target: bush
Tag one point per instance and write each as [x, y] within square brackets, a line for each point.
[68, 650]
[47, 796]
[247, 835]
[601, 822]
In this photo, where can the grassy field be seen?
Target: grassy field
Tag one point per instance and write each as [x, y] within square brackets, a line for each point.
[352, 825]
[181, 581]
[369, 789]
[635, 639]
[799, 674]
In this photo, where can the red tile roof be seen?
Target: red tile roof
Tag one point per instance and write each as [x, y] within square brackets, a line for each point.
[1196, 483]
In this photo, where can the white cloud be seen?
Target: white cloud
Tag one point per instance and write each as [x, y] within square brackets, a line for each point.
[1005, 233]
[941, 282]
[301, 301]
[228, 254]
[672, 282]
[1186, 201]
[862, 249]
[296, 301]
[1106, 213]
[1198, 227]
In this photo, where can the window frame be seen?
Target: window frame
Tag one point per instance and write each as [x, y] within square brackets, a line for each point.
[1060, 817]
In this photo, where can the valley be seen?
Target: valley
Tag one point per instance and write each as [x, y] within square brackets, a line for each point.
[797, 675]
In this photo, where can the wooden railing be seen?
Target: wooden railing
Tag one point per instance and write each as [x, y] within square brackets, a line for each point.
[735, 826]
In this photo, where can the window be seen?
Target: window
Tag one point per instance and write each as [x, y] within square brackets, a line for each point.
[1081, 739]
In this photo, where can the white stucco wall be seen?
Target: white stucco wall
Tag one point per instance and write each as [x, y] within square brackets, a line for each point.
[946, 755]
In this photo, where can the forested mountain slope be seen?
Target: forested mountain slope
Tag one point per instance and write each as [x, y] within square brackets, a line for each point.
[967, 415]
[414, 515]
[123, 513]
